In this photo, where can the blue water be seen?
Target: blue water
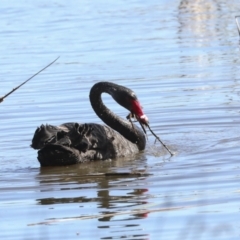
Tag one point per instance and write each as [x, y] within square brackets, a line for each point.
[182, 60]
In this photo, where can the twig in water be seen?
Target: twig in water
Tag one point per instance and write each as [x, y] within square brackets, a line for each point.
[144, 123]
[14, 89]
[142, 126]
[130, 116]
[159, 139]
[238, 25]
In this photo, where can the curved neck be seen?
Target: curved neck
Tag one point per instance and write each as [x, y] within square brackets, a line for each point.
[124, 127]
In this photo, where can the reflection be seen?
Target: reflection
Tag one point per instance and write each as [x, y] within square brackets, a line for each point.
[48, 201]
[207, 36]
[201, 20]
[133, 200]
[198, 28]
[72, 184]
[133, 236]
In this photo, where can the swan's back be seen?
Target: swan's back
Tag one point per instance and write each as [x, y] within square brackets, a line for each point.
[86, 142]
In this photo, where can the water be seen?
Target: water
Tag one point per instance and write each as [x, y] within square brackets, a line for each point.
[182, 60]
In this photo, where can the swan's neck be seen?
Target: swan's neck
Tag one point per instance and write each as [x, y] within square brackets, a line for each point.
[124, 127]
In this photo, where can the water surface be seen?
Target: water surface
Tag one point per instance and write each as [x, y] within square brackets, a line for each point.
[182, 60]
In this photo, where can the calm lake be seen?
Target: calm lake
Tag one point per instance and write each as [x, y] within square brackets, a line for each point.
[182, 59]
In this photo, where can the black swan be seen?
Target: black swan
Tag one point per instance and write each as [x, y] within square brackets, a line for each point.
[72, 143]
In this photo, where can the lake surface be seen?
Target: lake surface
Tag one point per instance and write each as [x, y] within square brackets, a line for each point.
[182, 59]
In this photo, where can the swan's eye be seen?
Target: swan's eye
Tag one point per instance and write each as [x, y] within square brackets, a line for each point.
[133, 95]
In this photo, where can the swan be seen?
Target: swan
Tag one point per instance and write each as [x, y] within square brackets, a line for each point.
[72, 143]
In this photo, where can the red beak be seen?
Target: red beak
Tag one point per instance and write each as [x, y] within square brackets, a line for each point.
[138, 112]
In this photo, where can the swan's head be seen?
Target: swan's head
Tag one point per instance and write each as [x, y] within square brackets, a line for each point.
[128, 99]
